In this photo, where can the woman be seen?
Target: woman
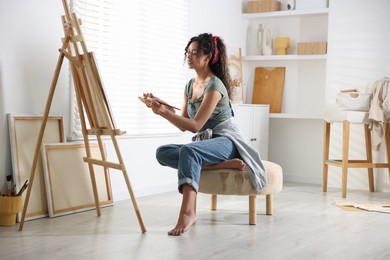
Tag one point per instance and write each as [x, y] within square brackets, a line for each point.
[207, 112]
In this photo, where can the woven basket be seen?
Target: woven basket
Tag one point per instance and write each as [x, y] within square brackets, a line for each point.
[9, 207]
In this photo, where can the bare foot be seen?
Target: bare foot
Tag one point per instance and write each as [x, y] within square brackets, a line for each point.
[183, 224]
[228, 164]
[187, 215]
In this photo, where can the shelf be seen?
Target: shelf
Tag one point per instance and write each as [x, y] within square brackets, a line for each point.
[292, 13]
[283, 57]
[294, 116]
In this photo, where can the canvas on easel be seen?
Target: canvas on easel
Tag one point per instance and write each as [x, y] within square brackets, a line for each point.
[93, 107]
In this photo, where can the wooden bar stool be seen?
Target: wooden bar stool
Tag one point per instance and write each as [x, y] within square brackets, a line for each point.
[345, 163]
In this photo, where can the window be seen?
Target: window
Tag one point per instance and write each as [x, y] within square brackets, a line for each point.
[139, 47]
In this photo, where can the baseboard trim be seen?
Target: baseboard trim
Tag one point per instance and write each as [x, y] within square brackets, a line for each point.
[302, 179]
[142, 192]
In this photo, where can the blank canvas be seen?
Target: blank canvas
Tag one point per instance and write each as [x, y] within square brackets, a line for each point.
[68, 181]
[24, 131]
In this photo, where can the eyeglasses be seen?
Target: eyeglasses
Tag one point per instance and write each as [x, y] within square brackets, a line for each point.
[193, 52]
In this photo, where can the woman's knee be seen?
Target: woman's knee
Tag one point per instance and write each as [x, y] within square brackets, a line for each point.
[167, 155]
[161, 153]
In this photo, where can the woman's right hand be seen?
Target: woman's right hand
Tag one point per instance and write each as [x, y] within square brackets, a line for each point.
[148, 95]
[147, 98]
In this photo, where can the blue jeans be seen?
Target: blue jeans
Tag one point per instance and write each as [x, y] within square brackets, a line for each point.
[190, 158]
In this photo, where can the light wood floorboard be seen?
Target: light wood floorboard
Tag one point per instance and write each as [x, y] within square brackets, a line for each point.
[305, 225]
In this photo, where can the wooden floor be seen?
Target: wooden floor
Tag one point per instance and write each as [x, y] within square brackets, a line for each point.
[305, 225]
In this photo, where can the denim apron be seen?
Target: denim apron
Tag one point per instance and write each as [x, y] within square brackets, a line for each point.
[215, 119]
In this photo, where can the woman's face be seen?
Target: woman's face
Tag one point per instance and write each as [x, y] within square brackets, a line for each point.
[196, 59]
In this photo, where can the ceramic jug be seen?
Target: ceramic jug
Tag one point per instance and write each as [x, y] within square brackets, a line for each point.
[267, 41]
[254, 41]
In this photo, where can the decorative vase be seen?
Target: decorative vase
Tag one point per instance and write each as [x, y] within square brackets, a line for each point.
[254, 40]
[267, 41]
[281, 45]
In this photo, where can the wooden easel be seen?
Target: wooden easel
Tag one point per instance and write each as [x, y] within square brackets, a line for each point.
[92, 101]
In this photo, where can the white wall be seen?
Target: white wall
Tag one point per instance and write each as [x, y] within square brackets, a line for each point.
[31, 33]
[218, 17]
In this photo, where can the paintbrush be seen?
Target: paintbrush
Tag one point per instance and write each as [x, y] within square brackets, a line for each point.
[9, 184]
[24, 187]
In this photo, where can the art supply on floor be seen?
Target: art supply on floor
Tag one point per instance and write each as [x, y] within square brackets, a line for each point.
[9, 185]
[23, 188]
[9, 207]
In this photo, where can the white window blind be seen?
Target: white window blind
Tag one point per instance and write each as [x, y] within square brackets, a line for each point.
[139, 47]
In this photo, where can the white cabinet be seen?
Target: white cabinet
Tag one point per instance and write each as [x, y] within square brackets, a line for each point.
[304, 84]
[253, 122]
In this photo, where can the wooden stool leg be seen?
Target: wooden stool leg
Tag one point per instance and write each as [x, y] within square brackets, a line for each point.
[344, 162]
[387, 137]
[213, 201]
[269, 206]
[370, 171]
[252, 210]
[326, 156]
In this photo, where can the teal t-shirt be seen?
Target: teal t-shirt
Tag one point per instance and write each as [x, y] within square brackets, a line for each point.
[214, 84]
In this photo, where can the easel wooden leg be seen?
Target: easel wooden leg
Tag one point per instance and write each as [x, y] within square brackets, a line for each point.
[325, 156]
[41, 133]
[102, 151]
[77, 79]
[128, 184]
[93, 178]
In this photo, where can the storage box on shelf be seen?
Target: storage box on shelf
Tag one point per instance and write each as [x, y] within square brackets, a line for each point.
[309, 48]
[263, 6]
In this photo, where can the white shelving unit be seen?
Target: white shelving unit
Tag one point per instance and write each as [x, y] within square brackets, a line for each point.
[304, 87]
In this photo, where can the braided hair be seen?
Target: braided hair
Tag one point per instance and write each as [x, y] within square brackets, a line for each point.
[218, 63]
